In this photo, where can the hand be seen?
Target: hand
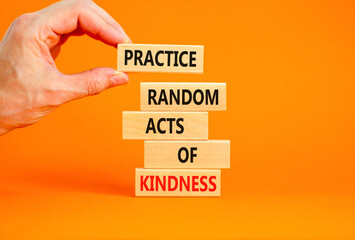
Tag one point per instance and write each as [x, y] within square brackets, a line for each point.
[30, 84]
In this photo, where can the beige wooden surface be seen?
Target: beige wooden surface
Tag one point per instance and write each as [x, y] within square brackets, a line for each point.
[146, 182]
[134, 125]
[162, 96]
[203, 154]
[162, 58]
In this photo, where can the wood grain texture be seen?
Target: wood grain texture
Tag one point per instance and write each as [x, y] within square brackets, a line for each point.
[178, 182]
[168, 65]
[195, 125]
[183, 96]
[193, 154]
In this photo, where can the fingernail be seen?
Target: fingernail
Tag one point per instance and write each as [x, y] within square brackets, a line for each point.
[119, 78]
[126, 39]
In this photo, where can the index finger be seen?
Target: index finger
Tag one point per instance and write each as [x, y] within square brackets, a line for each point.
[107, 17]
[67, 16]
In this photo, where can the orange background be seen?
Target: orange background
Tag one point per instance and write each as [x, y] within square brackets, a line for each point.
[289, 68]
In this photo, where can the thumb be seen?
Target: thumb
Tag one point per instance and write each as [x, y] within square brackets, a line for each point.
[93, 82]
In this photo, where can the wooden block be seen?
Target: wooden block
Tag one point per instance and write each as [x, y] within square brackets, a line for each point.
[183, 96]
[159, 58]
[187, 154]
[165, 125]
[177, 182]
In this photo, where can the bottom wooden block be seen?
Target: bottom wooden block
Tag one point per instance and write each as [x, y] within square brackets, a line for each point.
[178, 182]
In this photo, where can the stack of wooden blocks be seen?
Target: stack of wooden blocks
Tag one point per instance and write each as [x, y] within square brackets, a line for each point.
[188, 164]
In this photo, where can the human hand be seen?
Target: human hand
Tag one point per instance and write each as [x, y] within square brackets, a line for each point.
[30, 84]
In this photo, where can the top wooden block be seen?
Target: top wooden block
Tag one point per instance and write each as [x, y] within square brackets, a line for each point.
[159, 58]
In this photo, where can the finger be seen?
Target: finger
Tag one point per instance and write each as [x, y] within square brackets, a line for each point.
[108, 19]
[91, 82]
[55, 50]
[67, 16]
[94, 26]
